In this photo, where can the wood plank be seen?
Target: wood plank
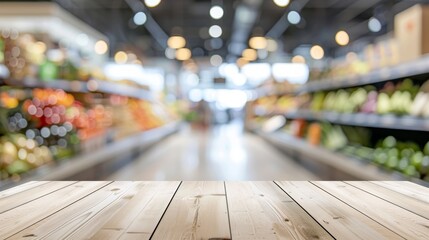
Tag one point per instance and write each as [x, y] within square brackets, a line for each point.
[12, 201]
[338, 218]
[84, 217]
[197, 211]
[138, 219]
[407, 188]
[405, 201]
[399, 220]
[261, 210]
[12, 222]
[20, 188]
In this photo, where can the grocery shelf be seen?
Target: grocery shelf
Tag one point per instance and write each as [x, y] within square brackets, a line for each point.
[408, 69]
[66, 169]
[364, 120]
[409, 123]
[84, 87]
[403, 70]
[358, 169]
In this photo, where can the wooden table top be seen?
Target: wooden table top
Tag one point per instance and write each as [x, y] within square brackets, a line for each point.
[215, 210]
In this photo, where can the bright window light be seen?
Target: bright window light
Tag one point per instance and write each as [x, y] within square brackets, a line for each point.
[228, 98]
[296, 73]
[195, 95]
[256, 73]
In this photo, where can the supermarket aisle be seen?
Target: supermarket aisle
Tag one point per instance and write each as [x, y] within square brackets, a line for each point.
[222, 153]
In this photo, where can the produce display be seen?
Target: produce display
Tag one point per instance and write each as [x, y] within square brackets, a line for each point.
[402, 98]
[405, 157]
[38, 126]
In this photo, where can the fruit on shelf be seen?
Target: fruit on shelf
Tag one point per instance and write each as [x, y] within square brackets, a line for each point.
[19, 154]
[404, 157]
[314, 133]
[50, 124]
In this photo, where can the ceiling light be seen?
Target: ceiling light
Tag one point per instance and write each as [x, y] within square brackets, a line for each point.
[140, 18]
[293, 17]
[342, 38]
[183, 54]
[216, 12]
[242, 61]
[152, 3]
[215, 31]
[281, 3]
[317, 52]
[170, 53]
[216, 60]
[101, 47]
[298, 59]
[374, 25]
[262, 54]
[121, 57]
[250, 54]
[271, 45]
[176, 42]
[258, 42]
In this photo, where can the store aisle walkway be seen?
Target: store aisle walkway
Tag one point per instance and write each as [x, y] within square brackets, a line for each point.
[222, 153]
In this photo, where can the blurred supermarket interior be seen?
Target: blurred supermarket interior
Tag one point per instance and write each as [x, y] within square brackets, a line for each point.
[214, 90]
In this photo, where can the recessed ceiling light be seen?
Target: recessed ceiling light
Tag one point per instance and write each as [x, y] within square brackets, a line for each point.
[258, 42]
[140, 18]
[101, 47]
[152, 3]
[216, 12]
[282, 3]
[121, 57]
[183, 54]
[176, 42]
[317, 52]
[293, 17]
[298, 59]
[215, 31]
[374, 25]
[342, 38]
[216, 60]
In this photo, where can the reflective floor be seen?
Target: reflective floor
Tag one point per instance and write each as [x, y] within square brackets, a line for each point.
[223, 152]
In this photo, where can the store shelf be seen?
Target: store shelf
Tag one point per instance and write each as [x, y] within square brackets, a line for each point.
[84, 87]
[364, 120]
[409, 123]
[403, 70]
[73, 166]
[355, 168]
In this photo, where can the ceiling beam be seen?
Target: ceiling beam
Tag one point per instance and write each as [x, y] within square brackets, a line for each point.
[151, 25]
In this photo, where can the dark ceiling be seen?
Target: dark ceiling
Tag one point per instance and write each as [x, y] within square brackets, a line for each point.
[321, 20]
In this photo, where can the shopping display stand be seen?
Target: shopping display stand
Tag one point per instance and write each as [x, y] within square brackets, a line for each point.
[339, 165]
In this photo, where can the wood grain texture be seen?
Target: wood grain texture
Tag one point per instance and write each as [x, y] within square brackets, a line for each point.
[407, 188]
[8, 202]
[197, 211]
[338, 218]
[12, 222]
[21, 188]
[405, 201]
[261, 210]
[139, 217]
[399, 220]
[64, 223]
